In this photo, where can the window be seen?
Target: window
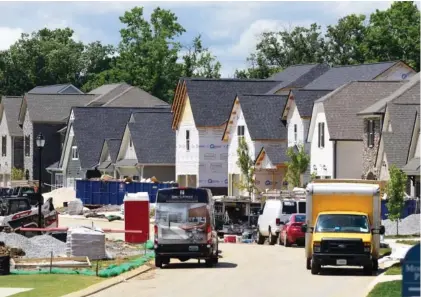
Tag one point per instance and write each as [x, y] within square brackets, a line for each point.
[131, 142]
[27, 145]
[4, 145]
[295, 133]
[75, 153]
[370, 133]
[321, 142]
[188, 140]
[240, 133]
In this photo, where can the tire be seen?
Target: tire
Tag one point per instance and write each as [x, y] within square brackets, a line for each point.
[158, 262]
[308, 264]
[375, 265]
[260, 239]
[315, 268]
[286, 242]
[209, 262]
[272, 239]
[215, 260]
[165, 261]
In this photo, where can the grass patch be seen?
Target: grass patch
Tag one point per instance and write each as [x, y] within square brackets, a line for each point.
[385, 252]
[402, 236]
[48, 285]
[408, 242]
[102, 264]
[387, 289]
[395, 269]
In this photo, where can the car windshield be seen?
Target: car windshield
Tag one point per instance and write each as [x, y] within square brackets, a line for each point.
[300, 218]
[344, 223]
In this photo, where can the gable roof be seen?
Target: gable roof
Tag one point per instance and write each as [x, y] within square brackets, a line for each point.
[408, 93]
[298, 76]
[277, 153]
[412, 167]
[11, 106]
[51, 108]
[105, 93]
[304, 100]
[54, 89]
[262, 115]
[135, 97]
[92, 125]
[211, 99]
[340, 75]
[113, 145]
[152, 136]
[397, 143]
[342, 106]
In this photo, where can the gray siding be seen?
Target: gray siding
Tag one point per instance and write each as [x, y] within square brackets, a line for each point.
[28, 131]
[73, 166]
[162, 173]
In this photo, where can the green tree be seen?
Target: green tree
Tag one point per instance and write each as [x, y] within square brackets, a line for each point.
[246, 164]
[298, 165]
[198, 61]
[258, 68]
[394, 34]
[395, 190]
[149, 51]
[345, 41]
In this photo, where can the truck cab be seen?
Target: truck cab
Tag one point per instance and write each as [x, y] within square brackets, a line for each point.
[343, 226]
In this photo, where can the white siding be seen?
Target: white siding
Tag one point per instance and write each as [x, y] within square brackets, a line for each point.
[384, 168]
[417, 149]
[349, 162]
[187, 162]
[130, 152]
[399, 72]
[293, 119]
[321, 158]
[5, 161]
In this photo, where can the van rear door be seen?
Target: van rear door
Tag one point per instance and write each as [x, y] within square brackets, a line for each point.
[182, 216]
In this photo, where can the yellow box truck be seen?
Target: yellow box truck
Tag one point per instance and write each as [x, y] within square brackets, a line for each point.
[343, 225]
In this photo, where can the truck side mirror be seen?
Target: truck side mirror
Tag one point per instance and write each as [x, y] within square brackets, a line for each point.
[382, 230]
[304, 228]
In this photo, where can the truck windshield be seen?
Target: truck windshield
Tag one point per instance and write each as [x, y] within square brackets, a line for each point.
[343, 223]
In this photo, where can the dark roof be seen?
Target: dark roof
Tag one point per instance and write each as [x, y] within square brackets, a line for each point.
[92, 125]
[211, 99]
[277, 153]
[113, 148]
[153, 138]
[11, 107]
[107, 92]
[53, 107]
[298, 76]
[412, 167]
[135, 97]
[104, 165]
[304, 100]
[397, 143]
[341, 107]
[340, 75]
[408, 93]
[262, 114]
[54, 89]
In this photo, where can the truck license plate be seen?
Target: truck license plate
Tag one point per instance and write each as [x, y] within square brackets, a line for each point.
[193, 248]
[340, 262]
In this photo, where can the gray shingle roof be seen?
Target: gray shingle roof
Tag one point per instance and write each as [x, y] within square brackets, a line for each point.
[11, 107]
[262, 114]
[53, 89]
[113, 147]
[104, 165]
[135, 97]
[92, 125]
[53, 108]
[298, 76]
[106, 93]
[304, 99]
[412, 167]
[408, 93]
[211, 99]
[397, 143]
[153, 138]
[277, 153]
[340, 75]
[341, 107]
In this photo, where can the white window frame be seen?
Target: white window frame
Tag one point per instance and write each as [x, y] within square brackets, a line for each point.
[188, 140]
[321, 135]
[75, 153]
[295, 133]
[130, 142]
[240, 132]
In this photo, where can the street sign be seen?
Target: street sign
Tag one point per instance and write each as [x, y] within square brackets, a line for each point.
[411, 273]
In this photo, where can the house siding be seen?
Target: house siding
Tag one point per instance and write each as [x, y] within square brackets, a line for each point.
[398, 72]
[187, 162]
[370, 153]
[349, 162]
[5, 161]
[293, 119]
[28, 131]
[74, 169]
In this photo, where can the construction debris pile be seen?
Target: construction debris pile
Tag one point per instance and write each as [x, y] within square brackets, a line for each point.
[9, 251]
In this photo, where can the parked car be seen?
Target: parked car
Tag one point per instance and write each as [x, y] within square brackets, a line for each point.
[291, 232]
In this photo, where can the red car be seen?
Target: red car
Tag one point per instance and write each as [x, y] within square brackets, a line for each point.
[291, 231]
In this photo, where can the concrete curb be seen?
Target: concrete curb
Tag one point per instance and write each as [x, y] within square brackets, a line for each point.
[381, 278]
[110, 282]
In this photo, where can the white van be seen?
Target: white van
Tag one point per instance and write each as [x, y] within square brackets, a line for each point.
[273, 214]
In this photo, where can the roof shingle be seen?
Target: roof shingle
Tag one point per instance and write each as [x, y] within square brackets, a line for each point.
[11, 107]
[277, 153]
[55, 89]
[304, 100]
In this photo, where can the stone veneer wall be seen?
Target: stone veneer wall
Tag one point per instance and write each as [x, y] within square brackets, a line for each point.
[370, 153]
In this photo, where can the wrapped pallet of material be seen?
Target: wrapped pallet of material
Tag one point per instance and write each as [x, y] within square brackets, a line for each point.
[75, 207]
[85, 242]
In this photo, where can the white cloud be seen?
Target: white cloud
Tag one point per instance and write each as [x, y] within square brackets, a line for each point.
[344, 8]
[8, 36]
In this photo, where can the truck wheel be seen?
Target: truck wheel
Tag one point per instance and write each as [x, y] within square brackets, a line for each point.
[209, 262]
[286, 242]
[375, 265]
[158, 262]
[272, 239]
[260, 239]
[315, 268]
[308, 264]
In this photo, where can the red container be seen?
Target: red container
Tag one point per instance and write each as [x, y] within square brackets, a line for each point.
[136, 216]
[230, 238]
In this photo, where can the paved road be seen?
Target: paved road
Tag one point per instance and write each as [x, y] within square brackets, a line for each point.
[245, 270]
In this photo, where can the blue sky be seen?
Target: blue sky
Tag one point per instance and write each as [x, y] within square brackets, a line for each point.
[229, 29]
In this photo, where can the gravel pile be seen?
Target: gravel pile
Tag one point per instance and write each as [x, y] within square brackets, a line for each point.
[35, 247]
[408, 226]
